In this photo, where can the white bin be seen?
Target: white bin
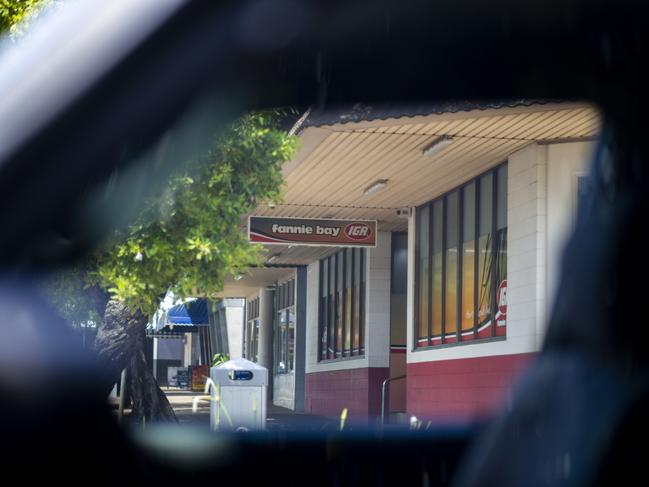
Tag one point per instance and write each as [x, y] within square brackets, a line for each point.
[241, 385]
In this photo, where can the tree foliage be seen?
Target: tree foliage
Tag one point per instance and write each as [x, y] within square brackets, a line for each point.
[17, 15]
[190, 235]
[186, 239]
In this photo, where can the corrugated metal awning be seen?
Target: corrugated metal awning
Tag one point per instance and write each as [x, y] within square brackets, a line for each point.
[336, 163]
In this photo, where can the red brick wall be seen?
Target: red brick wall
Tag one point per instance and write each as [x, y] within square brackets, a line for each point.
[358, 390]
[463, 389]
[397, 388]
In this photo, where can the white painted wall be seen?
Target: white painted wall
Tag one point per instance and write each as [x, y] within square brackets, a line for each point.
[265, 345]
[377, 305]
[540, 212]
[377, 324]
[234, 316]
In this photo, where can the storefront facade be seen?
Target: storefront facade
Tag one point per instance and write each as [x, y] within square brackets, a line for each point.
[472, 378]
[473, 206]
[191, 333]
[274, 330]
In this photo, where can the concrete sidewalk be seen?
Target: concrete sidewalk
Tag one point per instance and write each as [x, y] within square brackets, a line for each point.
[278, 418]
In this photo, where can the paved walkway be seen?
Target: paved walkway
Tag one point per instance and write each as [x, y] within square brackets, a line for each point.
[278, 418]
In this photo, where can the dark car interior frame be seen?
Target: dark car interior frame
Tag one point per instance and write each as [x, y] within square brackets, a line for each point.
[210, 61]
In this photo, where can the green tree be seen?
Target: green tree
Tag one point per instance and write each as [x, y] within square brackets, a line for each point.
[187, 238]
[17, 15]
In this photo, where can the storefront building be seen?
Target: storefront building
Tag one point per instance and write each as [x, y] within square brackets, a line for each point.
[473, 203]
[191, 333]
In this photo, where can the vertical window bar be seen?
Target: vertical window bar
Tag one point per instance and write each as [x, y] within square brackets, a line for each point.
[320, 276]
[326, 307]
[494, 196]
[460, 259]
[338, 348]
[331, 334]
[430, 275]
[361, 334]
[349, 299]
[417, 277]
[443, 340]
[276, 327]
[476, 262]
[335, 313]
[343, 318]
[287, 366]
[353, 304]
[323, 305]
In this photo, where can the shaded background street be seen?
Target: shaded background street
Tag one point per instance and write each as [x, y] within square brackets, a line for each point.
[278, 418]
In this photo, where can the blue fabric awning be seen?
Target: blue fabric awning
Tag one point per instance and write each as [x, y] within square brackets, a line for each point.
[193, 313]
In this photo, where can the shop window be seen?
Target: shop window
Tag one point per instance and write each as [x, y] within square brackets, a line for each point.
[451, 268]
[285, 327]
[468, 260]
[438, 268]
[340, 272]
[461, 263]
[342, 310]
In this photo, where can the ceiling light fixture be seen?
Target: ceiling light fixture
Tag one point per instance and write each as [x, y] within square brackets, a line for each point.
[375, 186]
[437, 145]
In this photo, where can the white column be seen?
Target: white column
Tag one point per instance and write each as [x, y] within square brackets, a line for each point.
[526, 246]
[234, 316]
[377, 324]
[155, 358]
[266, 330]
[187, 358]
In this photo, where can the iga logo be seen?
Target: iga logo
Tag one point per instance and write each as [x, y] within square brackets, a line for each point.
[502, 298]
[358, 231]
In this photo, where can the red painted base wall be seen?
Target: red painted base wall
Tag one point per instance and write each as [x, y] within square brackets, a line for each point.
[358, 390]
[463, 389]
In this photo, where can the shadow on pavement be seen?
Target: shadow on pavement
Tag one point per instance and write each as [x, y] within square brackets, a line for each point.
[278, 418]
